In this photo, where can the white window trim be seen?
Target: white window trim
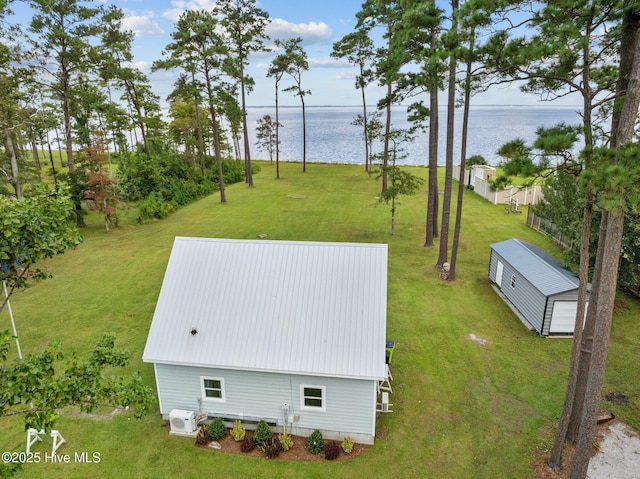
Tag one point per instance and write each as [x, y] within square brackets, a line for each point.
[203, 391]
[323, 398]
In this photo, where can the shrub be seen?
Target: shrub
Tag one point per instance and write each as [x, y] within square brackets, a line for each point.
[331, 450]
[285, 440]
[217, 429]
[272, 447]
[203, 438]
[154, 206]
[347, 445]
[238, 431]
[247, 444]
[262, 434]
[315, 442]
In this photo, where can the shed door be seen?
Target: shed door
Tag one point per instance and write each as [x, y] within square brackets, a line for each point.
[563, 317]
[499, 268]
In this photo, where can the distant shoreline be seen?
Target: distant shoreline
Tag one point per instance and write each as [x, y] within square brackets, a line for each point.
[373, 107]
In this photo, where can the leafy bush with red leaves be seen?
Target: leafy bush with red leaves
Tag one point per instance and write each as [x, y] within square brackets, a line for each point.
[247, 444]
[331, 450]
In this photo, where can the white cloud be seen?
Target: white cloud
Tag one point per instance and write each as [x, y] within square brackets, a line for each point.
[345, 75]
[143, 66]
[142, 24]
[324, 62]
[179, 7]
[311, 33]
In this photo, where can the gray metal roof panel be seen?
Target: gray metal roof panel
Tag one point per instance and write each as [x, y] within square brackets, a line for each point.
[537, 266]
[280, 306]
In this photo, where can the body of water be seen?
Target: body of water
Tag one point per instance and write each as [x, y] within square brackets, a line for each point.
[331, 138]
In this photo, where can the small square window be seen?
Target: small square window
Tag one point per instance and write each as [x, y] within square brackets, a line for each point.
[212, 389]
[312, 398]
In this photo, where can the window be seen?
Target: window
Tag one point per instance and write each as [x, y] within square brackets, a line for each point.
[312, 398]
[513, 280]
[212, 388]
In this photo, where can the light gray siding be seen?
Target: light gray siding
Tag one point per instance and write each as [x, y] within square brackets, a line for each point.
[529, 301]
[350, 403]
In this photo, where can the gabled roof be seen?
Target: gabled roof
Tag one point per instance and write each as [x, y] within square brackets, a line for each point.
[537, 266]
[280, 306]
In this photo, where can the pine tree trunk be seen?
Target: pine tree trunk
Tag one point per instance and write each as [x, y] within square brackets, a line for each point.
[555, 459]
[432, 201]
[443, 253]
[463, 159]
[606, 289]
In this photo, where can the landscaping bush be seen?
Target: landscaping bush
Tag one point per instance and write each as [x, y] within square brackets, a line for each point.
[217, 429]
[203, 438]
[331, 450]
[315, 442]
[347, 445]
[272, 447]
[262, 434]
[247, 444]
[154, 207]
[285, 440]
[238, 432]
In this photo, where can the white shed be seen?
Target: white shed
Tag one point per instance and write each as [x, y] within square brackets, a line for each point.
[287, 331]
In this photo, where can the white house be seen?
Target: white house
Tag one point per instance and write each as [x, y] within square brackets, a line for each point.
[287, 331]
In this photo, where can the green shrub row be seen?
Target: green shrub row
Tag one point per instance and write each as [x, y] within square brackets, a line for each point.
[264, 439]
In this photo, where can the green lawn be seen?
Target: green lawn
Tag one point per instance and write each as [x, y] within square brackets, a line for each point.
[460, 410]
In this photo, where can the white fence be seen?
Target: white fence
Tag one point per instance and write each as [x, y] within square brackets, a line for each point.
[523, 195]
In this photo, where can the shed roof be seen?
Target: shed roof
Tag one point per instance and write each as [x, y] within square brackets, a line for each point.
[280, 306]
[537, 266]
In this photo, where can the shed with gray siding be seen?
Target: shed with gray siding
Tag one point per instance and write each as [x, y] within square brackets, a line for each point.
[291, 332]
[537, 287]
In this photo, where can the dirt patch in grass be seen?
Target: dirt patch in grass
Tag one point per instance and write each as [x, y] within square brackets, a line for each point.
[617, 455]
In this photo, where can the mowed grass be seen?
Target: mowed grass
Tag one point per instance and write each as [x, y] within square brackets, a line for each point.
[461, 410]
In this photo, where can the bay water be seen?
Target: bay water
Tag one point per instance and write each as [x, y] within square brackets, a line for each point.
[331, 138]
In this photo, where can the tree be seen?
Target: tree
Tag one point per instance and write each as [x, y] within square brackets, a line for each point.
[415, 42]
[34, 227]
[63, 34]
[267, 136]
[451, 44]
[101, 188]
[470, 53]
[199, 49]
[244, 26]
[278, 68]
[357, 47]
[388, 62]
[373, 131]
[401, 181]
[298, 63]
[620, 177]
[41, 384]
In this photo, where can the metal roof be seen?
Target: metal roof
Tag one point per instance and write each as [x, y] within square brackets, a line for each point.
[537, 266]
[280, 306]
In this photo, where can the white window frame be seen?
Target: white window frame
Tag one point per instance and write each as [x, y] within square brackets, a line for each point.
[203, 388]
[323, 398]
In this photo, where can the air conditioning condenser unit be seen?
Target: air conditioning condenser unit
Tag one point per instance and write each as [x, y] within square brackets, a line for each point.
[183, 423]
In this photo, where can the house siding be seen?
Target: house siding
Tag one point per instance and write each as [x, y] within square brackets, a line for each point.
[349, 411]
[529, 301]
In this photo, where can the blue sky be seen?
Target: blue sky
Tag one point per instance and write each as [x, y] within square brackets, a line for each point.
[318, 22]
